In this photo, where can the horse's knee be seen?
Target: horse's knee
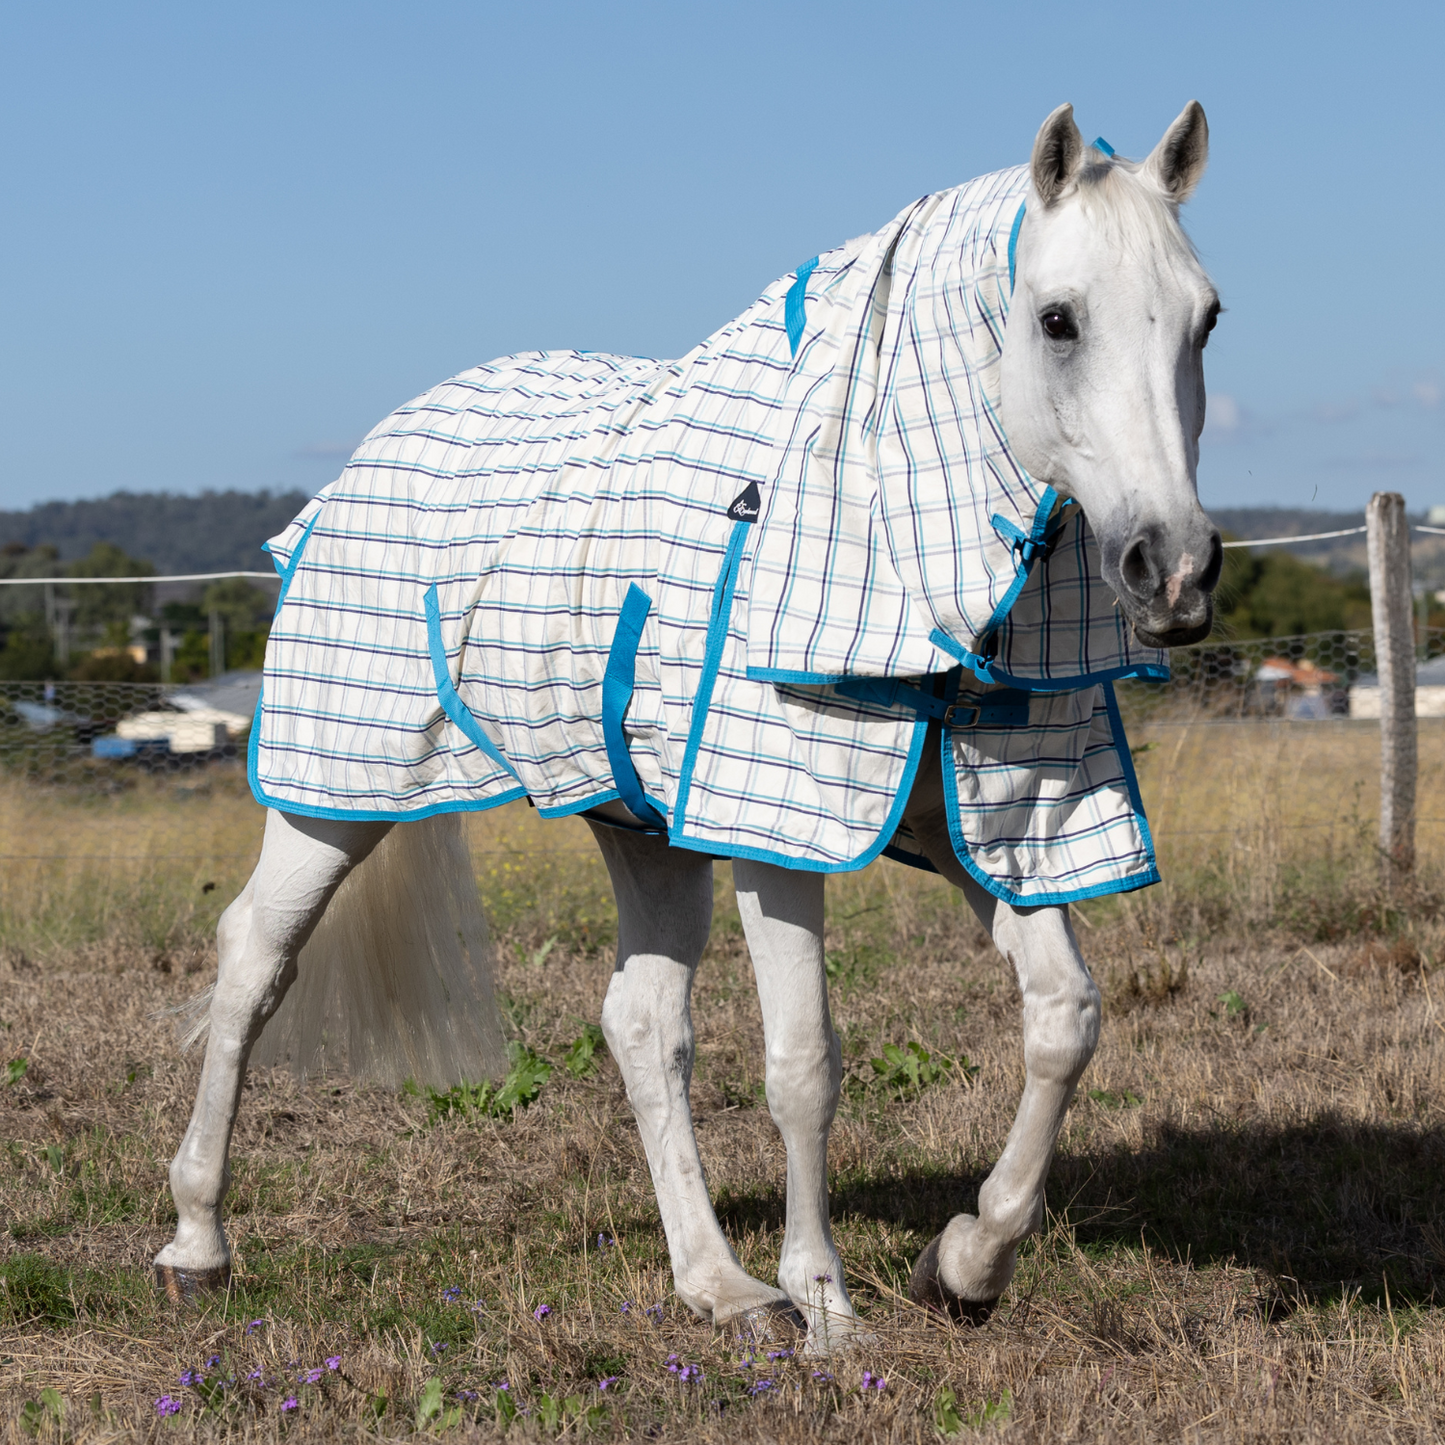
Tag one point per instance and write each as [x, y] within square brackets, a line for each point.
[804, 1077]
[1061, 1004]
[645, 1019]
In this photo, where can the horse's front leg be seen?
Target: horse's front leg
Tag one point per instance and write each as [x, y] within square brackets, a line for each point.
[782, 913]
[664, 913]
[302, 863]
[967, 1267]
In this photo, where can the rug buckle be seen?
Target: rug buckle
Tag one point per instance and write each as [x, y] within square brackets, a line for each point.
[954, 715]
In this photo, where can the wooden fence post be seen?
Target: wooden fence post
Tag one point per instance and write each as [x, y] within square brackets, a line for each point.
[218, 659]
[1392, 606]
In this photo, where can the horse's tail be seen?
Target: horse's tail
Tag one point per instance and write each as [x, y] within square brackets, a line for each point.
[396, 981]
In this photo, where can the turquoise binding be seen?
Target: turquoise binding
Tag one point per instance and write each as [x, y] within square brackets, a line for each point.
[618, 683]
[795, 313]
[447, 696]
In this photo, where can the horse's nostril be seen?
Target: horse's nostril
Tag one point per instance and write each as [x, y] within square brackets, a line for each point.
[1137, 569]
[1209, 578]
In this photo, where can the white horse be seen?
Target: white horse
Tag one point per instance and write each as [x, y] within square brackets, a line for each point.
[1103, 399]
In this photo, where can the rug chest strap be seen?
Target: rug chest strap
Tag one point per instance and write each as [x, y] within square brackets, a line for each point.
[1008, 707]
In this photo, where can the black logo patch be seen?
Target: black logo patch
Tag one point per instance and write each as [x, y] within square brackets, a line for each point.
[747, 504]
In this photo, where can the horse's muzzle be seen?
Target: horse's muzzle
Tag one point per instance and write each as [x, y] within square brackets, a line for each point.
[1177, 636]
[1168, 606]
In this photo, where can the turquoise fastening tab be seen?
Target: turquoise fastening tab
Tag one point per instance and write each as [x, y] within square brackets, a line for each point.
[1009, 707]
[447, 696]
[1039, 539]
[1013, 244]
[795, 314]
[1100, 144]
[618, 683]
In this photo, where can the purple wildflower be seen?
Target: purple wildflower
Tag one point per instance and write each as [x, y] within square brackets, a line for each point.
[167, 1405]
[333, 1362]
[468, 1395]
[290, 1403]
[761, 1387]
[254, 1326]
[541, 1312]
[501, 1385]
[671, 1363]
[258, 1374]
[606, 1384]
[192, 1377]
[780, 1354]
[822, 1279]
[605, 1241]
[310, 1377]
[478, 1306]
[452, 1293]
[654, 1312]
[437, 1348]
[213, 1362]
[626, 1307]
[822, 1376]
[872, 1381]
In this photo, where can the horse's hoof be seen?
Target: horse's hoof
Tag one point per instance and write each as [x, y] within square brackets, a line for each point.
[926, 1288]
[768, 1324]
[190, 1286]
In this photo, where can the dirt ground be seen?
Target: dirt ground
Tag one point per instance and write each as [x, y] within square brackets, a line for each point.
[1244, 1237]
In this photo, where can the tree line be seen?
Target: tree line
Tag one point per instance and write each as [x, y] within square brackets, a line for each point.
[1261, 594]
[112, 632]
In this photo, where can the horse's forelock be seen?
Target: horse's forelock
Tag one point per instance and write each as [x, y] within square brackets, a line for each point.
[1134, 214]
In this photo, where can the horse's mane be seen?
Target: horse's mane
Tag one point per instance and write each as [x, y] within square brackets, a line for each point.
[1117, 197]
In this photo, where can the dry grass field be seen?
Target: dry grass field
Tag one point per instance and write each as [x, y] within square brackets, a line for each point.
[1246, 1216]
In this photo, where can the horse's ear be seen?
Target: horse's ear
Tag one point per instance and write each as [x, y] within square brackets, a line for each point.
[1178, 161]
[1058, 152]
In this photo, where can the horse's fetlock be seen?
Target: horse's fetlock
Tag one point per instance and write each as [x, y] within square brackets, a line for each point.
[1008, 1218]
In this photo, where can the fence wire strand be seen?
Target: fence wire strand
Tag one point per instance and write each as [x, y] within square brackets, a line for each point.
[197, 807]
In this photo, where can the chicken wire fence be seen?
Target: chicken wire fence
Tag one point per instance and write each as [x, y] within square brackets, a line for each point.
[1315, 677]
[149, 772]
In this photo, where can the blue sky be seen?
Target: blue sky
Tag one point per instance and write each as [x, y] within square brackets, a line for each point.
[235, 237]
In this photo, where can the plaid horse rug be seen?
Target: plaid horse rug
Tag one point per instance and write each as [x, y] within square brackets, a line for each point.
[739, 592]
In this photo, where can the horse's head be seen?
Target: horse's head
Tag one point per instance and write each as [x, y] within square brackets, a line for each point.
[1103, 376]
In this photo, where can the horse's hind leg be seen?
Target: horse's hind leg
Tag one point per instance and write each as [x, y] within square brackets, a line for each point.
[302, 863]
[664, 912]
[967, 1267]
[782, 913]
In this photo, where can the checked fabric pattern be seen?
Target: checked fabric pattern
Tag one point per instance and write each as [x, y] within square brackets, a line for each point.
[817, 494]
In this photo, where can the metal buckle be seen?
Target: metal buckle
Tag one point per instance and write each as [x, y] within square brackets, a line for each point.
[953, 715]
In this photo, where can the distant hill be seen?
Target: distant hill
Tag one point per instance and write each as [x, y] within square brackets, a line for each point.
[217, 530]
[208, 533]
[1339, 555]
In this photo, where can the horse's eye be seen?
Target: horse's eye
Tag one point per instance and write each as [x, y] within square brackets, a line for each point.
[1059, 326]
[1210, 322]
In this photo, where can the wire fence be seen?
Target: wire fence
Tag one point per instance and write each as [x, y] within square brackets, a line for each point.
[1314, 677]
[131, 774]
[99, 735]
